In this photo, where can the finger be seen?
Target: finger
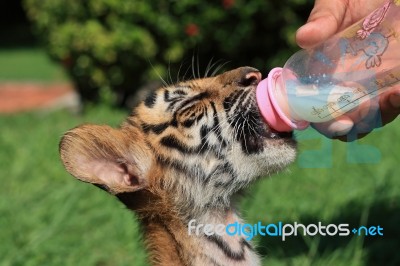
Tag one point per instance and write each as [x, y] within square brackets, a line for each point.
[390, 105]
[395, 100]
[355, 118]
[364, 119]
[324, 21]
[334, 128]
[355, 124]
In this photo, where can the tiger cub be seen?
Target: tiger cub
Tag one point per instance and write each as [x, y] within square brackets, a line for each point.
[181, 156]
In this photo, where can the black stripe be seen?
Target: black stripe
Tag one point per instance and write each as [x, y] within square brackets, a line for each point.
[200, 116]
[233, 182]
[165, 162]
[204, 130]
[178, 245]
[247, 244]
[180, 92]
[219, 201]
[237, 256]
[157, 129]
[242, 97]
[171, 99]
[236, 96]
[192, 119]
[222, 168]
[231, 99]
[173, 143]
[166, 96]
[178, 166]
[188, 122]
[198, 97]
[216, 128]
[130, 121]
[151, 99]
[174, 122]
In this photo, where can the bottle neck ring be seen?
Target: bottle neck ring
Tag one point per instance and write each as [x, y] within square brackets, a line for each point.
[269, 106]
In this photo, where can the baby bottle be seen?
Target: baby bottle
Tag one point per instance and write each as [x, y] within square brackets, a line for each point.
[323, 83]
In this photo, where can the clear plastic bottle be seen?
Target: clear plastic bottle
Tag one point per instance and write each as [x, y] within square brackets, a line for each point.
[323, 83]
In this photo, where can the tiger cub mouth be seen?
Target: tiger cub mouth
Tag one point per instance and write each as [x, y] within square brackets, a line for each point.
[253, 132]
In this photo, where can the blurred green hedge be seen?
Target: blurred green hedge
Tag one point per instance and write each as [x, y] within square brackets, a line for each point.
[120, 45]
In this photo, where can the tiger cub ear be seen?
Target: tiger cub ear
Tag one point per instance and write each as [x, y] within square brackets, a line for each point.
[115, 159]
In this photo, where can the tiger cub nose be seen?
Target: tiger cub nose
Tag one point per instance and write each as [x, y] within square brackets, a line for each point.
[249, 76]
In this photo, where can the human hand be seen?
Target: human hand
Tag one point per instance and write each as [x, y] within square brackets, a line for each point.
[327, 18]
[358, 123]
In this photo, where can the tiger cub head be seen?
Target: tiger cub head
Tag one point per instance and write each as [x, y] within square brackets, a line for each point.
[188, 147]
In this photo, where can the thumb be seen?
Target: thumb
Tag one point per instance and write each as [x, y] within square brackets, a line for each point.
[323, 22]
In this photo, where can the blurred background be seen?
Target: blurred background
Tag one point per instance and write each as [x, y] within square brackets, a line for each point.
[63, 63]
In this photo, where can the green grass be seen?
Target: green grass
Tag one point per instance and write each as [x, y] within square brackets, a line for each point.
[49, 218]
[29, 64]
